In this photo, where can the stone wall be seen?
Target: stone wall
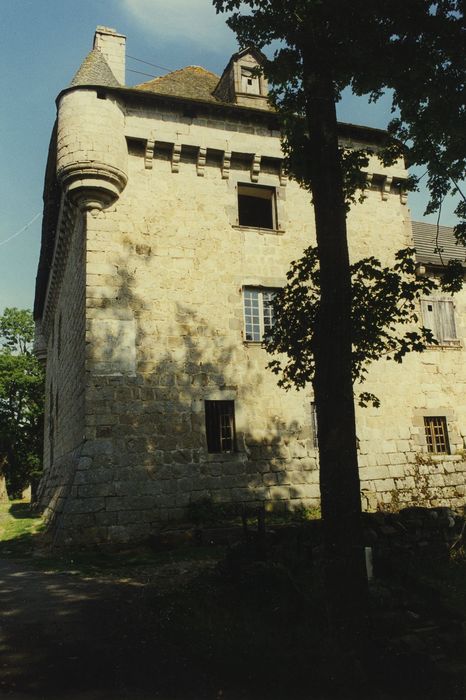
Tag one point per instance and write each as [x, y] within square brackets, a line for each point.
[166, 265]
[65, 378]
[396, 468]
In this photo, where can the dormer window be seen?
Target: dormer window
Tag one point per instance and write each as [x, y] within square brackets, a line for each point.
[249, 82]
[242, 83]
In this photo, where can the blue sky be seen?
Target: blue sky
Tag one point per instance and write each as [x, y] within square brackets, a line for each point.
[42, 45]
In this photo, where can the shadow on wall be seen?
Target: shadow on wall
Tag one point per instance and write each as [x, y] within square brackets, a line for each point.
[153, 363]
[152, 360]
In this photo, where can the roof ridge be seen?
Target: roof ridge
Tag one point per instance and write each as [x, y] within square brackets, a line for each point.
[431, 224]
[174, 72]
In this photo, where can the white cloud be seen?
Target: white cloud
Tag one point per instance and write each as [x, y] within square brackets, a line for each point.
[190, 21]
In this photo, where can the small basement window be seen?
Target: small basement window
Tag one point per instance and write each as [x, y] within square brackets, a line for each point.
[257, 206]
[436, 434]
[220, 426]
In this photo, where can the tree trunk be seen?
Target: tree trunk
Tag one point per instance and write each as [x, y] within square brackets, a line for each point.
[345, 573]
[3, 491]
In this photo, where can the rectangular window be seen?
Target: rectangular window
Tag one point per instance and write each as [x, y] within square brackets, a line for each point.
[436, 434]
[258, 312]
[220, 426]
[256, 206]
[439, 316]
[249, 82]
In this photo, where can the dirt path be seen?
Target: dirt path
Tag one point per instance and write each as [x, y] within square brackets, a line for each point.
[64, 636]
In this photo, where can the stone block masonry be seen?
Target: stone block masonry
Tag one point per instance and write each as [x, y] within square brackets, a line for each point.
[145, 325]
[65, 383]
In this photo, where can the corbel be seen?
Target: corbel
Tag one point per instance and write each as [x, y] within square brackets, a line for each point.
[201, 160]
[149, 154]
[255, 167]
[176, 156]
[386, 188]
[40, 345]
[403, 196]
[226, 163]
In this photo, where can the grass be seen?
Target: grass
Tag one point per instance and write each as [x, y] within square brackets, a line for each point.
[19, 525]
[20, 537]
[260, 624]
[446, 580]
[208, 513]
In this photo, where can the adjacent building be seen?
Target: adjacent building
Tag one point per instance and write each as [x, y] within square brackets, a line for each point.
[168, 224]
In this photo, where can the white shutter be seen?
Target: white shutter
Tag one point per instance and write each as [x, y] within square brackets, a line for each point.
[428, 315]
[445, 320]
[439, 316]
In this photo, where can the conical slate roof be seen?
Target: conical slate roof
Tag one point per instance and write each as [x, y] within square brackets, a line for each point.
[193, 82]
[94, 70]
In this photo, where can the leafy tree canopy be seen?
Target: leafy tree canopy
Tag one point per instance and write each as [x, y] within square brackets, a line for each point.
[413, 49]
[21, 400]
[338, 316]
[385, 323]
[16, 330]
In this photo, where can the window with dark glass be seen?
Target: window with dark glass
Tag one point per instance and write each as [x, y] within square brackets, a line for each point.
[256, 206]
[249, 81]
[436, 434]
[220, 426]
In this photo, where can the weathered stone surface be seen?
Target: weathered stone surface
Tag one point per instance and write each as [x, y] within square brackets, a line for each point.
[144, 323]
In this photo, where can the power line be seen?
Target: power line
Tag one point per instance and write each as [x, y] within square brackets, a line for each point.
[154, 65]
[141, 73]
[21, 230]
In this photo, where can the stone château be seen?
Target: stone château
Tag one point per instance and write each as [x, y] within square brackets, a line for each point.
[168, 224]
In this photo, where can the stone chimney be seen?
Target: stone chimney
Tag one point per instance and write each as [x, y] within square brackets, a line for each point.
[112, 46]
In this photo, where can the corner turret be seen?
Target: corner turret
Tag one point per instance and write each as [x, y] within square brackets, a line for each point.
[91, 146]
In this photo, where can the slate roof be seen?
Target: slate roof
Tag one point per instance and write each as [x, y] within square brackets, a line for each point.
[426, 242]
[94, 70]
[192, 82]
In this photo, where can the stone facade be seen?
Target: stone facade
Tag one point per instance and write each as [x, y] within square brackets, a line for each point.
[140, 305]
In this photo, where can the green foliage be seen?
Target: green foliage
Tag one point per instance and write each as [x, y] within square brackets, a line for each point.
[16, 330]
[384, 316]
[21, 401]
[19, 526]
[412, 51]
[205, 511]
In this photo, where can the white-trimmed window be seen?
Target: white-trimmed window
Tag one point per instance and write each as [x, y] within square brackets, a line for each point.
[439, 316]
[257, 206]
[258, 312]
